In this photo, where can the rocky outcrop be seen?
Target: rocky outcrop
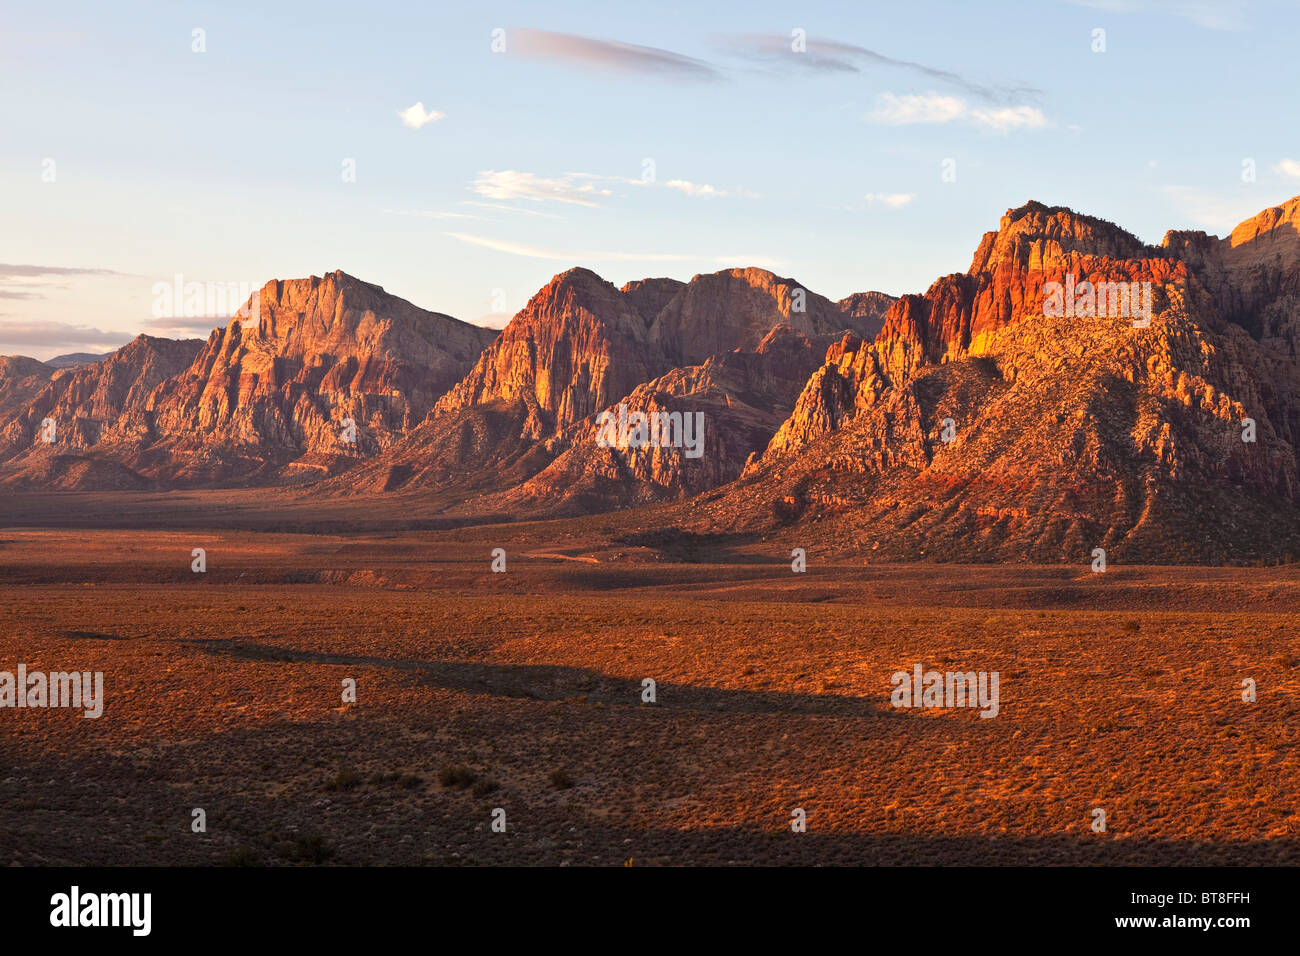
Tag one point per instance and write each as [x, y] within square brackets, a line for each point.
[649, 296]
[99, 410]
[977, 427]
[736, 308]
[868, 309]
[729, 406]
[735, 345]
[21, 379]
[576, 346]
[263, 399]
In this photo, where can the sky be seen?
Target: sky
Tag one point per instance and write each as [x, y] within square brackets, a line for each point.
[461, 155]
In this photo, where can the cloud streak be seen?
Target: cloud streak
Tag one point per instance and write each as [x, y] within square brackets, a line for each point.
[8, 271]
[830, 56]
[63, 335]
[606, 56]
[508, 184]
[605, 255]
[932, 108]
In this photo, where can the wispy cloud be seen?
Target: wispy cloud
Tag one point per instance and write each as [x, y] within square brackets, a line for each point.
[501, 207]
[566, 255]
[512, 184]
[38, 272]
[606, 255]
[831, 56]
[1225, 15]
[606, 56]
[934, 108]
[417, 116]
[435, 214]
[892, 200]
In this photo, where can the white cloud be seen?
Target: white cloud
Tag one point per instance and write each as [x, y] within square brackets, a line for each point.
[892, 200]
[1010, 117]
[703, 191]
[1288, 167]
[894, 110]
[934, 108]
[416, 116]
[512, 184]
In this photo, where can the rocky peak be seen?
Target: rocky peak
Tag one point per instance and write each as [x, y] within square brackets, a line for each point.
[869, 309]
[651, 295]
[1039, 237]
[736, 308]
[575, 347]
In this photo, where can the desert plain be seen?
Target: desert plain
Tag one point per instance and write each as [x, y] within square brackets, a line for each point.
[523, 691]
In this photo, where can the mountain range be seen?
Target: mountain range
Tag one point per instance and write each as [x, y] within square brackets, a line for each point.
[972, 422]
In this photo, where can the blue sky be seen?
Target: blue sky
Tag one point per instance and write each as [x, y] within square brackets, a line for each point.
[825, 165]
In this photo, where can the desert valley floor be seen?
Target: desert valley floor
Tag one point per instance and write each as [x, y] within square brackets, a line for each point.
[522, 690]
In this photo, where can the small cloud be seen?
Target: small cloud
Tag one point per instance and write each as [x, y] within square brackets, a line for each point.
[892, 200]
[511, 184]
[934, 108]
[704, 191]
[893, 110]
[606, 56]
[1288, 167]
[416, 116]
[1010, 117]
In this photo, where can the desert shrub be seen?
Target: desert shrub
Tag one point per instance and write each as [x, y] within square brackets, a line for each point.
[456, 776]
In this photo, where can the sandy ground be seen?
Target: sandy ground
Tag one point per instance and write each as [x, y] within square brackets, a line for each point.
[523, 691]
